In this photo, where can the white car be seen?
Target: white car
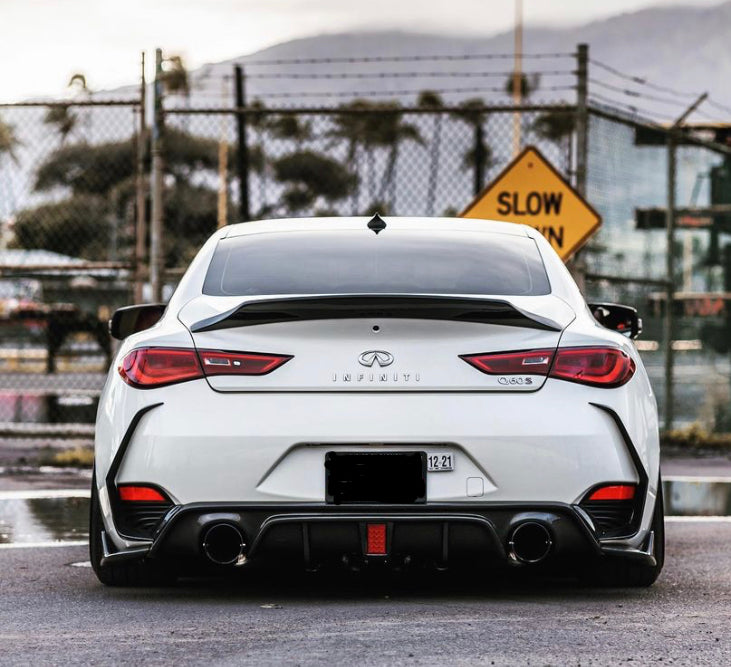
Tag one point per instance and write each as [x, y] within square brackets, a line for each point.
[407, 391]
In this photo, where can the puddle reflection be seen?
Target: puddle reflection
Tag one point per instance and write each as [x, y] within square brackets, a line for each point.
[43, 520]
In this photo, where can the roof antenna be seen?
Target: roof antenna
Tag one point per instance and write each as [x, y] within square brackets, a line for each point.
[376, 223]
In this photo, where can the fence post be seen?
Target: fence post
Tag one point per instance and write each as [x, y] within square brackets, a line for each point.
[156, 250]
[582, 116]
[669, 328]
[578, 265]
[141, 204]
[242, 154]
[479, 155]
[670, 278]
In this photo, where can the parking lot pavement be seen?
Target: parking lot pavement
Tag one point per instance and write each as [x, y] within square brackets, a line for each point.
[52, 612]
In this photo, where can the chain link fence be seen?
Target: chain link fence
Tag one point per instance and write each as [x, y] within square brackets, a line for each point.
[628, 172]
[74, 190]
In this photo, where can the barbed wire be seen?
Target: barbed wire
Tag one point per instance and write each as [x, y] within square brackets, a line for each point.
[636, 93]
[401, 75]
[412, 91]
[401, 59]
[611, 103]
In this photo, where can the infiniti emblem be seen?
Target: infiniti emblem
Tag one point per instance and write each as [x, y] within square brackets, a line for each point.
[380, 357]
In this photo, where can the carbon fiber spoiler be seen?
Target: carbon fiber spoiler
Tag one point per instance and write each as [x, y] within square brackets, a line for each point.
[422, 307]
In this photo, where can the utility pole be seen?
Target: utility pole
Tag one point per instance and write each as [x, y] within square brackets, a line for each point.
[517, 76]
[669, 328]
[242, 154]
[156, 228]
[141, 203]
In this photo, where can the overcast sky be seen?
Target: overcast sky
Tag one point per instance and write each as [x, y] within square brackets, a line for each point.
[44, 42]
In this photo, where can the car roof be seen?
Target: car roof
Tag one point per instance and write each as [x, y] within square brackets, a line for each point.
[395, 222]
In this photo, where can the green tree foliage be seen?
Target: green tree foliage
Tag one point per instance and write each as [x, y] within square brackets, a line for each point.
[554, 125]
[9, 141]
[310, 177]
[63, 119]
[96, 218]
[76, 226]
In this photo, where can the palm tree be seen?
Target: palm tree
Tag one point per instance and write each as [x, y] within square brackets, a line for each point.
[558, 127]
[64, 120]
[8, 141]
[352, 128]
[429, 99]
[388, 130]
[528, 86]
[479, 156]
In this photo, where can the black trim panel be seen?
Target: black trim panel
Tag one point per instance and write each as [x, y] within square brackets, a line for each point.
[110, 480]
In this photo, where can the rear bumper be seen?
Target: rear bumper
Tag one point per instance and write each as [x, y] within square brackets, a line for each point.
[444, 535]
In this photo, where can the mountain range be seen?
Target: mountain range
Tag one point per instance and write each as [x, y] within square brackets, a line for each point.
[682, 48]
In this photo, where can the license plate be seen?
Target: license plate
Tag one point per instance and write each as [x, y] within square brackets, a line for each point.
[439, 462]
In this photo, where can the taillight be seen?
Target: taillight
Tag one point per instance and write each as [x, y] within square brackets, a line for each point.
[240, 363]
[158, 366]
[596, 366]
[529, 362]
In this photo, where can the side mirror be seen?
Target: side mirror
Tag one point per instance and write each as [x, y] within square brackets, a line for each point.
[623, 319]
[131, 319]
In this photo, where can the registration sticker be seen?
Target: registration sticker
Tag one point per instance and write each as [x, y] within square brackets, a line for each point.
[439, 462]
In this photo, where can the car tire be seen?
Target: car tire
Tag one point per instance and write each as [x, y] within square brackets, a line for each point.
[626, 573]
[125, 573]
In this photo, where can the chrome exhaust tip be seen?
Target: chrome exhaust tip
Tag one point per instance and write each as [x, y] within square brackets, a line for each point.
[529, 543]
[223, 544]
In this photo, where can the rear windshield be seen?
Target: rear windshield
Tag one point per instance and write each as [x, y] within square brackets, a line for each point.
[359, 261]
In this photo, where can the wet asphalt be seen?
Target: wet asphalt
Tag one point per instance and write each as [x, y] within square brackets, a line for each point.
[54, 613]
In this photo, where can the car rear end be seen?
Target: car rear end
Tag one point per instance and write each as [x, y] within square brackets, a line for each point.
[435, 392]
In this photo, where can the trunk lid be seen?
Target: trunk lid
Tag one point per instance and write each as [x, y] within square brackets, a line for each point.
[375, 343]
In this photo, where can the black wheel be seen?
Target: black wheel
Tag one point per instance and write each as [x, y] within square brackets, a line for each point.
[625, 573]
[125, 573]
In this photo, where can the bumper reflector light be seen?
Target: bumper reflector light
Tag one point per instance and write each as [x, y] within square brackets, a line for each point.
[614, 492]
[376, 542]
[140, 494]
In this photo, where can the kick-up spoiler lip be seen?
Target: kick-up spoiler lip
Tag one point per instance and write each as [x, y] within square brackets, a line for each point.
[404, 306]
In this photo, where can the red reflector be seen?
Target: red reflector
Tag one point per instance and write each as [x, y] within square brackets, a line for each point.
[528, 362]
[216, 362]
[140, 494]
[376, 539]
[158, 366]
[614, 492]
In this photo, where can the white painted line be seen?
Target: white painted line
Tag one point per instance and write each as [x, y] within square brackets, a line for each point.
[693, 479]
[698, 519]
[41, 494]
[44, 545]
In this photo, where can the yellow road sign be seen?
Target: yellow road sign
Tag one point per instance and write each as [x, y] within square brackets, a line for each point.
[530, 191]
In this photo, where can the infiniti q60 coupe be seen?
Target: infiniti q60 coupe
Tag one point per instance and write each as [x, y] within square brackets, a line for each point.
[403, 392]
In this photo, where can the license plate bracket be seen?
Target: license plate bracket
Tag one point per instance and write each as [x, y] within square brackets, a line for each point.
[353, 478]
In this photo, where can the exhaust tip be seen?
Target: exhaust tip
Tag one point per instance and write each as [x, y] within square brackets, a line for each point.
[223, 544]
[530, 542]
